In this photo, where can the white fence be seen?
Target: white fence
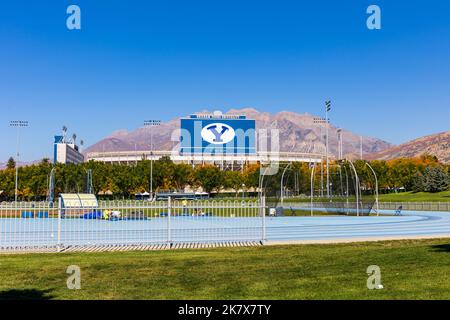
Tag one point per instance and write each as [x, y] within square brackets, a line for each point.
[43, 225]
[416, 206]
[408, 206]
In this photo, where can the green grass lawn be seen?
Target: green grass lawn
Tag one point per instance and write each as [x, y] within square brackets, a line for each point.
[416, 196]
[391, 197]
[417, 269]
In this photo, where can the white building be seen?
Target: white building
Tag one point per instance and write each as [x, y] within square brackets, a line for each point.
[65, 152]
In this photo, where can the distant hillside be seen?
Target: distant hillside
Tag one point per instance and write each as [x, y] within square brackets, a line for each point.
[297, 133]
[437, 145]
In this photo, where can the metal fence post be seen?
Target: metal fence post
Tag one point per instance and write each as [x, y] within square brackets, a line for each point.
[169, 213]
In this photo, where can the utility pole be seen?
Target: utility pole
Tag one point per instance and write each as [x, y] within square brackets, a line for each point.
[151, 124]
[321, 178]
[327, 109]
[281, 183]
[340, 153]
[361, 147]
[321, 121]
[17, 124]
[312, 188]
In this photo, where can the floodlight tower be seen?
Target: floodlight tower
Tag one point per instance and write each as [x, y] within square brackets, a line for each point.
[151, 123]
[64, 130]
[321, 121]
[17, 124]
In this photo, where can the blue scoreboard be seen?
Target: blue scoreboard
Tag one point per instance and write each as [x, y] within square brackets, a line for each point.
[217, 134]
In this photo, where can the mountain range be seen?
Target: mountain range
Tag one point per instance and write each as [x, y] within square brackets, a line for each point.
[298, 133]
[436, 144]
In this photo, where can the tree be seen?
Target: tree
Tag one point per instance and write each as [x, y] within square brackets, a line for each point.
[182, 175]
[418, 182]
[209, 177]
[436, 179]
[11, 163]
[233, 180]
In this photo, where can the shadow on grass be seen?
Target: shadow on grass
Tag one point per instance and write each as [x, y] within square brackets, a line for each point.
[25, 294]
[441, 247]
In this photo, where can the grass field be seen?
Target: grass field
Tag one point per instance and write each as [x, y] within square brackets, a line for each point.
[392, 197]
[417, 269]
[416, 196]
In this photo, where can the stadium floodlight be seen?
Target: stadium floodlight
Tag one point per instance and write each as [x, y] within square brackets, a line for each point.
[17, 124]
[151, 123]
[321, 122]
[64, 130]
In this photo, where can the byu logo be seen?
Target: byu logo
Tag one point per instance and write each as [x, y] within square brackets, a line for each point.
[218, 133]
[374, 20]
[74, 20]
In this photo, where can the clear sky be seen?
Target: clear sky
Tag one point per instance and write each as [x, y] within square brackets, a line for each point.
[136, 60]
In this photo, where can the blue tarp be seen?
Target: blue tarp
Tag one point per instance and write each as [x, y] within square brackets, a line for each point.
[92, 215]
[26, 214]
[42, 214]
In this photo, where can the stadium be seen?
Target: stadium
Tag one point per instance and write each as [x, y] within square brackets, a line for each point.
[267, 198]
[240, 149]
[80, 221]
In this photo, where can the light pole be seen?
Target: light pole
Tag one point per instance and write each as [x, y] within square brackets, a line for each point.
[281, 182]
[17, 124]
[312, 188]
[243, 192]
[151, 123]
[357, 187]
[376, 187]
[340, 153]
[327, 109]
[361, 147]
[321, 121]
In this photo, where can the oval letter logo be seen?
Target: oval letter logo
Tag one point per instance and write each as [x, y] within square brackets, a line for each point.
[217, 133]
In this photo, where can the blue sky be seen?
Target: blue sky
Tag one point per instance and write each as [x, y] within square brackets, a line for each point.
[134, 60]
